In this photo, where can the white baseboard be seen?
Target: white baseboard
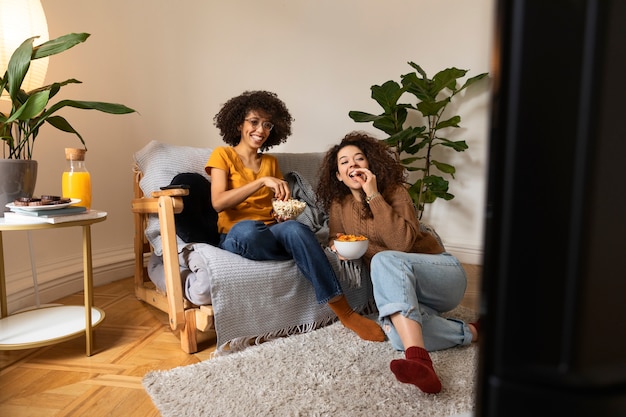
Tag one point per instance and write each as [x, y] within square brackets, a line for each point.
[63, 277]
[466, 255]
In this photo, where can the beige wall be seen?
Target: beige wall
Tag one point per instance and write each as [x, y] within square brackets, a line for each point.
[176, 62]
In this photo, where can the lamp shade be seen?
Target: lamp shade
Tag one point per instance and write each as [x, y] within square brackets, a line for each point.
[20, 20]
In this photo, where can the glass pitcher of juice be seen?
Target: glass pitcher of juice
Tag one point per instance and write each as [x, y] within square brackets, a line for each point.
[76, 181]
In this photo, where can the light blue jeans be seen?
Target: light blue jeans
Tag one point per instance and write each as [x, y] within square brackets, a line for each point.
[421, 287]
[281, 241]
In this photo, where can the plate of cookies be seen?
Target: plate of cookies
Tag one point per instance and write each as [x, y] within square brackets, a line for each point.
[45, 202]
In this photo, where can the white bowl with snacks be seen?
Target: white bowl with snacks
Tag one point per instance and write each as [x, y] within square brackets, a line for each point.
[351, 246]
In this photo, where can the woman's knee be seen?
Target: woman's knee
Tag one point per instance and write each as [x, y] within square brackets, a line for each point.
[292, 230]
[388, 263]
[380, 259]
[295, 227]
[247, 230]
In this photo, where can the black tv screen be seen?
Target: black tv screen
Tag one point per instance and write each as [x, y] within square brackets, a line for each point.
[554, 270]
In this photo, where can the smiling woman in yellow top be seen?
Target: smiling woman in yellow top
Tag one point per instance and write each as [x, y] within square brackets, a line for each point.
[243, 182]
[258, 205]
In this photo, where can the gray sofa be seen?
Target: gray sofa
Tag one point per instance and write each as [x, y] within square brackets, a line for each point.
[251, 300]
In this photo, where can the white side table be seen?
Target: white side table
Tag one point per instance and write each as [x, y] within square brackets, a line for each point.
[50, 324]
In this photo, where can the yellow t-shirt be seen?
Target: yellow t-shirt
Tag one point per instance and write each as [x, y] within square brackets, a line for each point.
[256, 207]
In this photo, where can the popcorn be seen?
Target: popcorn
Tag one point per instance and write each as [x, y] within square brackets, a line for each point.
[289, 209]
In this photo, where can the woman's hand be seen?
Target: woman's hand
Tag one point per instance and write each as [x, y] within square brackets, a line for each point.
[367, 179]
[279, 187]
[281, 219]
[334, 249]
[223, 197]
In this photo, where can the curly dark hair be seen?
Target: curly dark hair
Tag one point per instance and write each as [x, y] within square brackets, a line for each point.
[382, 162]
[232, 114]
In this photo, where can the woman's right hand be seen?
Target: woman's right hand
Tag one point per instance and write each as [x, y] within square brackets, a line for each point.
[279, 187]
[224, 197]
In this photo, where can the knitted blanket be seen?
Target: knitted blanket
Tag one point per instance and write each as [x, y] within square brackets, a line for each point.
[259, 300]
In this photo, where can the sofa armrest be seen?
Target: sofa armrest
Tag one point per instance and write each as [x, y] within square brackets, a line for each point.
[165, 207]
[174, 192]
[171, 266]
[147, 205]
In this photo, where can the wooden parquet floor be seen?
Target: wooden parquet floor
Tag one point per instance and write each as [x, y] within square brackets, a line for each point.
[134, 338]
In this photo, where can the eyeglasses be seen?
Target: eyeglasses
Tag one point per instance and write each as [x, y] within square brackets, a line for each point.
[255, 124]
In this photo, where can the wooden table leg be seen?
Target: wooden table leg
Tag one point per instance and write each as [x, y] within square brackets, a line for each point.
[3, 283]
[88, 287]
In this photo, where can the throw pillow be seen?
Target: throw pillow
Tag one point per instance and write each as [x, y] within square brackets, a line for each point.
[159, 162]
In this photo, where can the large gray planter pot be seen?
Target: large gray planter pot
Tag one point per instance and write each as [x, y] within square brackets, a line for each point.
[17, 179]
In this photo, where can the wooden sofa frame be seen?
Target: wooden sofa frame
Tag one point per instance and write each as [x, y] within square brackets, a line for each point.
[184, 317]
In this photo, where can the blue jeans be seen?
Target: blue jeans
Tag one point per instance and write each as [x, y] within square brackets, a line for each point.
[421, 287]
[282, 241]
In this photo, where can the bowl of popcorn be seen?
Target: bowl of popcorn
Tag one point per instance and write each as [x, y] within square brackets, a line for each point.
[288, 209]
[351, 246]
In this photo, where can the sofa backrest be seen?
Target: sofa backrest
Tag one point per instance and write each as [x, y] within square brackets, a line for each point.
[306, 164]
[160, 162]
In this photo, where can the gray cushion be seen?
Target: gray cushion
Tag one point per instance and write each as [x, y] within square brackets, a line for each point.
[159, 163]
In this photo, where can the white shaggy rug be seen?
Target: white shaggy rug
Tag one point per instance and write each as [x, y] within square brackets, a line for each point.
[328, 372]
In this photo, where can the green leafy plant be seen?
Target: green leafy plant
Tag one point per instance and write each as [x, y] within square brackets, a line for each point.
[414, 144]
[19, 129]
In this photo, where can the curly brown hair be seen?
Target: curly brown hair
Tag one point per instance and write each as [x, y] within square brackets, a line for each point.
[381, 159]
[232, 114]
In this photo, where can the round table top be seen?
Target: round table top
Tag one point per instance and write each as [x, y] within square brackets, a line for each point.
[45, 326]
[14, 225]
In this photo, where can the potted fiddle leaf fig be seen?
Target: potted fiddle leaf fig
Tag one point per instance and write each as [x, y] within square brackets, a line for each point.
[414, 143]
[30, 110]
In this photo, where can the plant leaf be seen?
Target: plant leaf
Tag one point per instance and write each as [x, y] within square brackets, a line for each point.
[418, 69]
[18, 66]
[413, 149]
[447, 79]
[419, 87]
[434, 187]
[451, 122]
[408, 161]
[33, 106]
[432, 108]
[458, 146]
[472, 80]
[359, 116]
[387, 95]
[54, 88]
[110, 108]
[404, 139]
[58, 45]
[443, 167]
[390, 124]
[62, 124]
[436, 182]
